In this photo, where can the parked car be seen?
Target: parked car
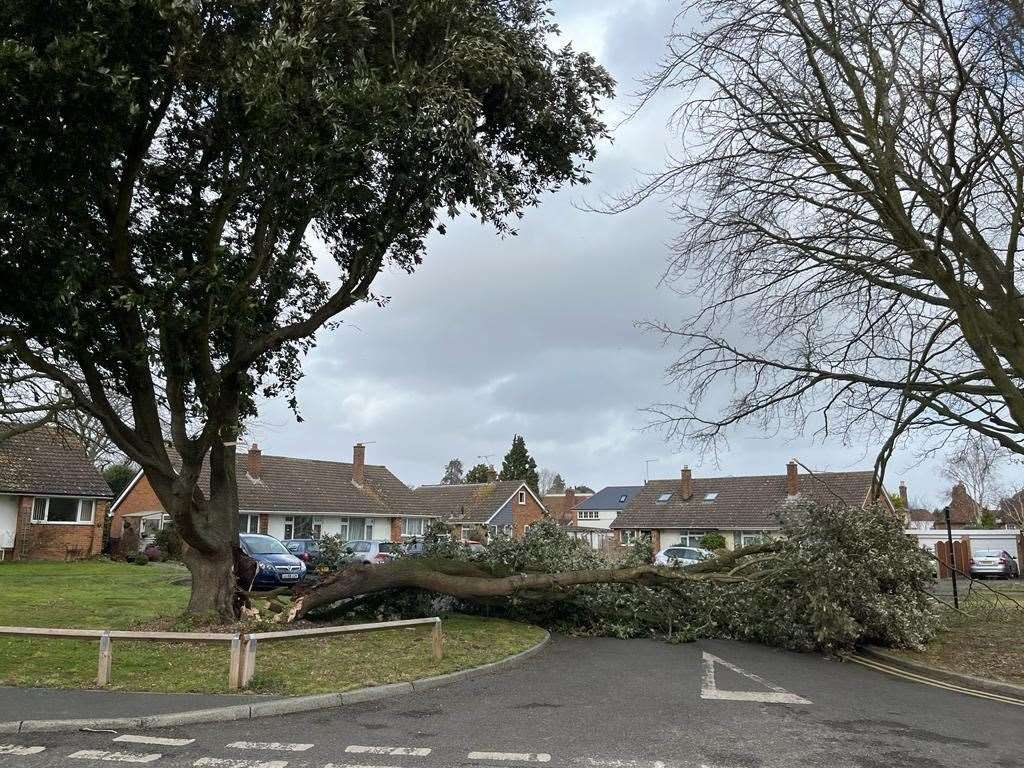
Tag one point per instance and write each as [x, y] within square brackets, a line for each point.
[994, 562]
[475, 548]
[373, 552]
[276, 566]
[307, 550]
[680, 555]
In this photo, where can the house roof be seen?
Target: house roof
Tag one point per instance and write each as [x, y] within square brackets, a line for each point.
[48, 461]
[747, 502]
[561, 506]
[921, 514]
[315, 487]
[467, 502]
[610, 497]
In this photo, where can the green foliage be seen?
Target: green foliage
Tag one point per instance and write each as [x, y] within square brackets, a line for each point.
[897, 500]
[584, 489]
[453, 473]
[988, 519]
[520, 465]
[557, 485]
[334, 551]
[842, 576]
[118, 476]
[141, 559]
[482, 473]
[712, 541]
[168, 541]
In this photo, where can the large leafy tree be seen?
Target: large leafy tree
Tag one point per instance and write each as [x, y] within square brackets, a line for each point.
[452, 473]
[481, 473]
[193, 189]
[518, 464]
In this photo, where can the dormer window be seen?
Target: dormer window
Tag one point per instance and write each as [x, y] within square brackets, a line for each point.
[710, 496]
[663, 498]
[522, 497]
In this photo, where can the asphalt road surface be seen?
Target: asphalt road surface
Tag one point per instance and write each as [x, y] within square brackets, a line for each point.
[597, 703]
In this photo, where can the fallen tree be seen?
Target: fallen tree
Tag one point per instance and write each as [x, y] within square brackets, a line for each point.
[834, 577]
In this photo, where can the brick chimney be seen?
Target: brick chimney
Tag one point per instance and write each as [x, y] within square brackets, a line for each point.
[255, 460]
[568, 516]
[903, 494]
[359, 464]
[792, 479]
[686, 484]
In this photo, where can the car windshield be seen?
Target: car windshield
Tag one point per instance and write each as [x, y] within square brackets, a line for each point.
[360, 546]
[675, 553]
[264, 545]
[387, 547]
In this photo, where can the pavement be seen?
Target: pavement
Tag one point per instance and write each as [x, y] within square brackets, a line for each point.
[596, 703]
[61, 704]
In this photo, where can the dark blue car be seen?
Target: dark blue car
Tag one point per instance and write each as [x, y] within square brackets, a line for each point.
[277, 567]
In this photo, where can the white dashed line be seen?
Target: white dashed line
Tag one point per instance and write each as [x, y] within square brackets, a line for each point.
[159, 741]
[219, 762]
[410, 751]
[15, 749]
[518, 757]
[270, 746]
[114, 757]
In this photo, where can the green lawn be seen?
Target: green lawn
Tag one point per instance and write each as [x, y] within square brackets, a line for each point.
[986, 642]
[103, 595]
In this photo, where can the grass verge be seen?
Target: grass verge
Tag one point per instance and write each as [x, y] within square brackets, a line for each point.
[104, 595]
[985, 640]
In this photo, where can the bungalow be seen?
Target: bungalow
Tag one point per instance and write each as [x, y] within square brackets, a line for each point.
[53, 500]
[291, 498]
[743, 509]
[477, 511]
[593, 517]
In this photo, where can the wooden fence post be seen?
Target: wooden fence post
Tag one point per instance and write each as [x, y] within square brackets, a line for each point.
[437, 641]
[248, 661]
[103, 670]
[235, 669]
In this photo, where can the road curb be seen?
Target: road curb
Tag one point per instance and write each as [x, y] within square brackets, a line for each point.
[269, 708]
[984, 684]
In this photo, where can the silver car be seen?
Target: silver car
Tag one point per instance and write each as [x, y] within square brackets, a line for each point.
[679, 554]
[994, 562]
[372, 552]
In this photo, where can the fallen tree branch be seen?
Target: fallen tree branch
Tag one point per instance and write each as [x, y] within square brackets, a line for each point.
[417, 573]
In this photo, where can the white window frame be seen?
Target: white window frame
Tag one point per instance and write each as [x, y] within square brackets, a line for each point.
[522, 497]
[466, 533]
[44, 520]
[588, 514]
[421, 524]
[692, 538]
[316, 526]
[343, 528]
[663, 498]
[629, 536]
[246, 521]
[753, 537]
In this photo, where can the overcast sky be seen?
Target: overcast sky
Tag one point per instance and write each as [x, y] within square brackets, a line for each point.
[536, 334]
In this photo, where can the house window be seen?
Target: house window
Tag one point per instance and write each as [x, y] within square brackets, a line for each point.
[467, 533]
[746, 539]
[522, 497]
[60, 509]
[248, 523]
[691, 538]
[412, 526]
[343, 528]
[588, 514]
[622, 498]
[630, 536]
[710, 496]
[303, 527]
[663, 498]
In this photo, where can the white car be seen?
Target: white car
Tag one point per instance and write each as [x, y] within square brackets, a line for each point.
[681, 555]
[372, 552]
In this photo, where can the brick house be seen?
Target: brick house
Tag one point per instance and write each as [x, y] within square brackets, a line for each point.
[562, 506]
[743, 508]
[53, 500]
[478, 511]
[291, 498]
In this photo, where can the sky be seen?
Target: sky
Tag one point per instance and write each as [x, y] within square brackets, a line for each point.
[537, 334]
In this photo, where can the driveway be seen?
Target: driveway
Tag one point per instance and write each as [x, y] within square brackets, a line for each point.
[599, 703]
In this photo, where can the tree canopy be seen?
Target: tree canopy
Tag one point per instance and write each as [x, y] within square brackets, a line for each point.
[192, 190]
[453, 473]
[481, 473]
[518, 464]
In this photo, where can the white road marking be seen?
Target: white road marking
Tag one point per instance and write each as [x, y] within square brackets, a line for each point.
[518, 757]
[114, 757]
[15, 749]
[411, 751]
[270, 746]
[775, 694]
[219, 762]
[160, 741]
[627, 763]
[356, 765]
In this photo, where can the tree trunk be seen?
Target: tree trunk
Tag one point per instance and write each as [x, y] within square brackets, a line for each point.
[213, 583]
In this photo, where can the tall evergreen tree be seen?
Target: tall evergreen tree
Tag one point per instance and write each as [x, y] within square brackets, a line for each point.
[519, 464]
[557, 485]
[482, 473]
[453, 473]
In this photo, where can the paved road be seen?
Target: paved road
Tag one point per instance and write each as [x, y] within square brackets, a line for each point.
[602, 703]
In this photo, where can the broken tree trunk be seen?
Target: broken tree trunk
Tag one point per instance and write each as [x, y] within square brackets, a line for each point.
[357, 580]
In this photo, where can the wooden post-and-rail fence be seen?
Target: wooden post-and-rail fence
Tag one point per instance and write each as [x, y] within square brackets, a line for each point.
[242, 664]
